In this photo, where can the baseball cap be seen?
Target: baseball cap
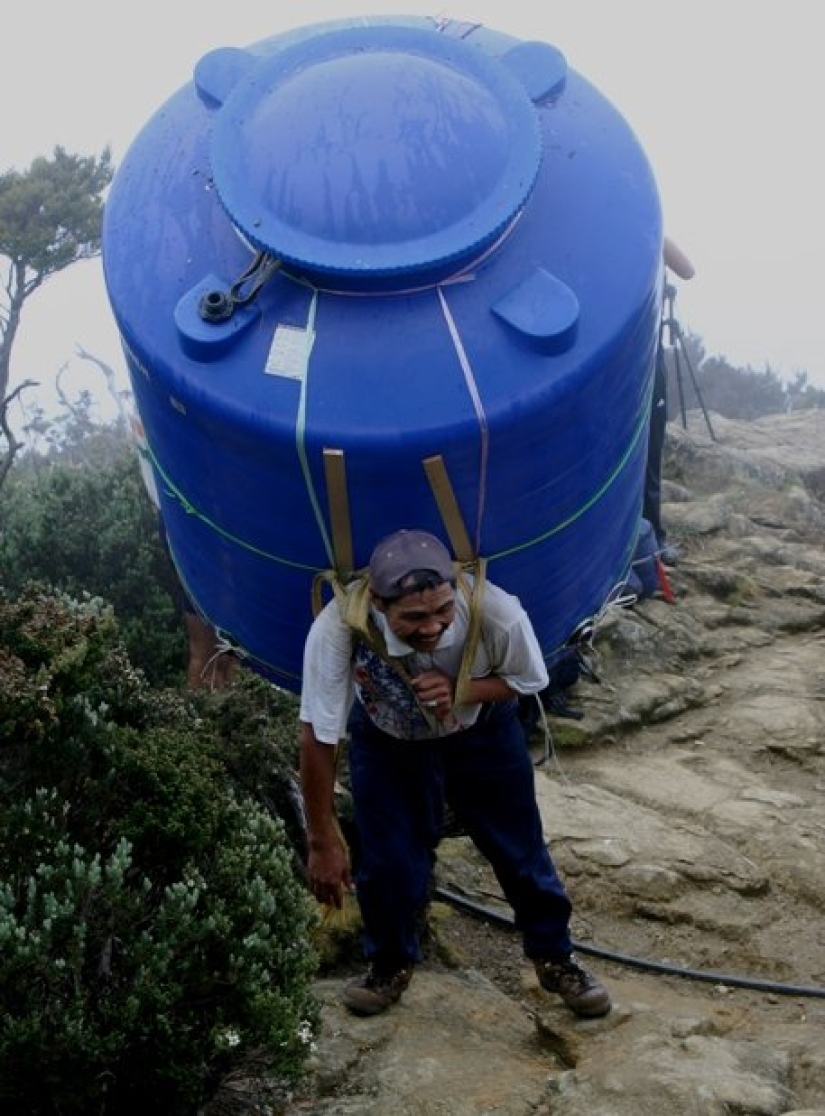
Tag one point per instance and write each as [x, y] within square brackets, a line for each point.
[400, 553]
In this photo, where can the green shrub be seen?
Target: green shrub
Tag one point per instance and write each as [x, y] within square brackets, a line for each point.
[92, 529]
[154, 934]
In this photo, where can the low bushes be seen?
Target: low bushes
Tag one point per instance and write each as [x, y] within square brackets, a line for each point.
[155, 937]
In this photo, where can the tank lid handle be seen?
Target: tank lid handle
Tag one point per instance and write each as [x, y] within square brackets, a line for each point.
[543, 310]
[540, 67]
[219, 71]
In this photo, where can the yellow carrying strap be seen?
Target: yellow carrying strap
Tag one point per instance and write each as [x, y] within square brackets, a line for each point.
[475, 631]
[338, 500]
[445, 498]
[444, 495]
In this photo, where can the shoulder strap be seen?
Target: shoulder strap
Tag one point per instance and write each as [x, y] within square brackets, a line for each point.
[475, 627]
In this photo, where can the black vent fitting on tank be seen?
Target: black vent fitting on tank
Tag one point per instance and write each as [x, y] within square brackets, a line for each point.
[219, 306]
[216, 306]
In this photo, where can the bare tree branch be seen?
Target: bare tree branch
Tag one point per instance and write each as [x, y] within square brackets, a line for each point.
[13, 443]
[111, 381]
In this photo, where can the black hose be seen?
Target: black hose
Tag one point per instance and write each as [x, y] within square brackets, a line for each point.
[501, 918]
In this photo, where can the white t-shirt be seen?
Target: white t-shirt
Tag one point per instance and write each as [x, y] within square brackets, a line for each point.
[337, 666]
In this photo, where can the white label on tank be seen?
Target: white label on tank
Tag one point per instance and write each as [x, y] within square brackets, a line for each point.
[289, 352]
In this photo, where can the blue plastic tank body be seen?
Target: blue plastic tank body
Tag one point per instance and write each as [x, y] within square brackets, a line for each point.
[468, 242]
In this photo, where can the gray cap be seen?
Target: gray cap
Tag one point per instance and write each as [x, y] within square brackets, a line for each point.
[400, 553]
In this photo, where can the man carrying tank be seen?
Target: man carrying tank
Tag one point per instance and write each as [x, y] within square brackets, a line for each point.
[432, 716]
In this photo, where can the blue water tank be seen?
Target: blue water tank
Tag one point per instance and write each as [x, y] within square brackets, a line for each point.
[383, 273]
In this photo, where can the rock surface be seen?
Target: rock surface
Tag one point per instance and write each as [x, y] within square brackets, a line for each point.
[685, 811]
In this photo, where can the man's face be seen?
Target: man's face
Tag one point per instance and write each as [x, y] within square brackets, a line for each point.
[420, 619]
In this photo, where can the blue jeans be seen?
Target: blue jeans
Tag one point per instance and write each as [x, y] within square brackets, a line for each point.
[399, 788]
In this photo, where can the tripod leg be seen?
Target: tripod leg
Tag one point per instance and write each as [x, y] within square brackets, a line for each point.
[677, 367]
[696, 388]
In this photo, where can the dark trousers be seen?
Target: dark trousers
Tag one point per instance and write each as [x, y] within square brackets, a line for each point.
[399, 789]
[652, 506]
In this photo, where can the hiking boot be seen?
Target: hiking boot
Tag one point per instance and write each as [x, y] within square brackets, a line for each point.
[579, 990]
[376, 990]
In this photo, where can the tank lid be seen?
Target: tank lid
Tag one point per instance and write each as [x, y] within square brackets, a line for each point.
[375, 153]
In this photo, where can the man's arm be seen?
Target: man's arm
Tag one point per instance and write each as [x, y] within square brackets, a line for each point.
[328, 866]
